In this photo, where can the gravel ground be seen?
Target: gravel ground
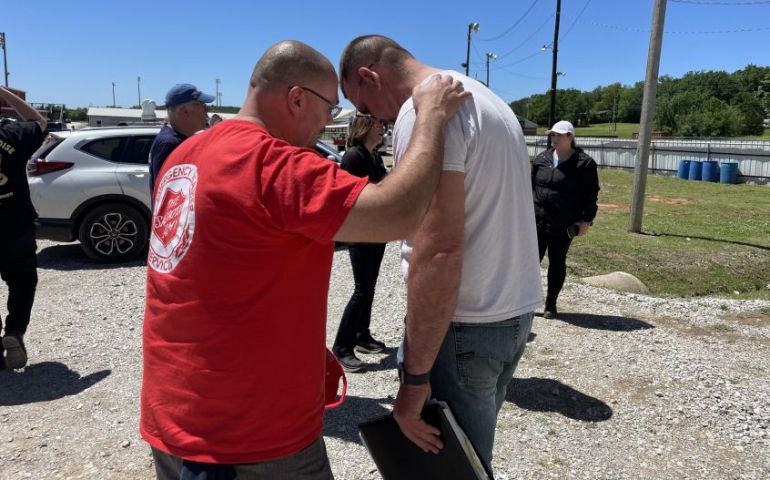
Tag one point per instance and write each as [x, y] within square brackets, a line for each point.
[622, 386]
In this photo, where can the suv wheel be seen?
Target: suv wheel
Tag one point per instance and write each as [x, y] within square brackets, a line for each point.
[113, 233]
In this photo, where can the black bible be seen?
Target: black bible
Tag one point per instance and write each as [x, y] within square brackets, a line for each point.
[397, 458]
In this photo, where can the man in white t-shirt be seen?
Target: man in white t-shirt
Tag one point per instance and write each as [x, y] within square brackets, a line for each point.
[473, 279]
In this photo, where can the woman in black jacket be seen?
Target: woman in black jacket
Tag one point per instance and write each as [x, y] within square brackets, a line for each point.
[361, 159]
[565, 186]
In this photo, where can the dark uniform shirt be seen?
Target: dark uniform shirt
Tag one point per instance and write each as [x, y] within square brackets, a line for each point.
[18, 141]
[165, 143]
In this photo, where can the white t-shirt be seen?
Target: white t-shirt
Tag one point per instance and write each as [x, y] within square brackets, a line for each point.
[501, 268]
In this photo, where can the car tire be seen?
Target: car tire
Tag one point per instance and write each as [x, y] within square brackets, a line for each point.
[113, 233]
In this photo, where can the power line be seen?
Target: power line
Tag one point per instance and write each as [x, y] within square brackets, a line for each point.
[722, 4]
[680, 32]
[561, 37]
[515, 24]
[510, 72]
[524, 42]
[520, 60]
[585, 6]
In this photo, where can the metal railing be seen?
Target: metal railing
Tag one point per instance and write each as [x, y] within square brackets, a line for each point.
[752, 156]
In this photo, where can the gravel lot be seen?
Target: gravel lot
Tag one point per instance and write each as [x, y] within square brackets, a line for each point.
[623, 386]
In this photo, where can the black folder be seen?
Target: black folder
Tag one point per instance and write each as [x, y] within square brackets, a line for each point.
[397, 458]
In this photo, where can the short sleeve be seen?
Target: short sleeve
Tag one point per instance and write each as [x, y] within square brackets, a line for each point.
[26, 137]
[455, 137]
[307, 194]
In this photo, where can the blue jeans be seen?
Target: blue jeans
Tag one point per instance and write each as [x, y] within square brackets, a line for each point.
[472, 371]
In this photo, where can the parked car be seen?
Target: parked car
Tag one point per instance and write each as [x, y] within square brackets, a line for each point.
[92, 185]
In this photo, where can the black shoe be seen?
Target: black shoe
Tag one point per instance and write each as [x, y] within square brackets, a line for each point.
[367, 344]
[15, 353]
[351, 363]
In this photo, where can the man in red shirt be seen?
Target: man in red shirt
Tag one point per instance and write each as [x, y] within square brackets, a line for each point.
[244, 222]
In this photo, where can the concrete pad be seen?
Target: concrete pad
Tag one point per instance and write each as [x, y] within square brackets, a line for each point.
[622, 281]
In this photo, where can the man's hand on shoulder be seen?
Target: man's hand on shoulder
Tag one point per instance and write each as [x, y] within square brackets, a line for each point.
[440, 96]
[409, 404]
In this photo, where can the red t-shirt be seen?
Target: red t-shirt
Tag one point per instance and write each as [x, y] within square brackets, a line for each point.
[237, 280]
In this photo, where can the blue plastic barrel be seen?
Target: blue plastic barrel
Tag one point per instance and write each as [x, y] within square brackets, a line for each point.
[728, 172]
[696, 169]
[711, 171]
[684, 169]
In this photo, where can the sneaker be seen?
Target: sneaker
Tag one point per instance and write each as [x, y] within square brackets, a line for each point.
[15, 353]
[368, 344]
[351, 363]
[550, 313]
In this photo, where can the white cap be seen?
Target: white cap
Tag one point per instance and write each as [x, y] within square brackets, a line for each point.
[563, 127]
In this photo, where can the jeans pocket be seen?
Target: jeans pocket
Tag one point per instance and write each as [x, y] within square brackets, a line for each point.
[478, 363]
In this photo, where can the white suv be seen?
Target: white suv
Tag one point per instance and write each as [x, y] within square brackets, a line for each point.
[93, 185]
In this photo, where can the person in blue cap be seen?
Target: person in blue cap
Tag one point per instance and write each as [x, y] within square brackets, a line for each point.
[187, 114]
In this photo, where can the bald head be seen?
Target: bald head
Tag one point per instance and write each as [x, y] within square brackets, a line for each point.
[289, 63]
[367, 50]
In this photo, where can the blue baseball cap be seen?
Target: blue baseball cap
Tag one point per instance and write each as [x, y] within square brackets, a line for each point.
[184, 92]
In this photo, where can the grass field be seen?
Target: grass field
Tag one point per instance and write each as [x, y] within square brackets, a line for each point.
[699, 238]
[627, 130]
[624, 130]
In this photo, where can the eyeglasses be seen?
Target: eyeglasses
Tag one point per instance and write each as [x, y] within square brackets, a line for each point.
[334, 109]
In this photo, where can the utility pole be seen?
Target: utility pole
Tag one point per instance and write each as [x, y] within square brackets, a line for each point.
[614, 114]
[218, 103]
[555, 49]
[139, 90]
[490, 56]
[113, 94]
[648, 113]
[472, 27]
[5, 59]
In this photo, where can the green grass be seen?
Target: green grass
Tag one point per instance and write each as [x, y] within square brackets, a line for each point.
[624, 130]
[699, 238]
[764, 136]
[722, 328]
[627, 130]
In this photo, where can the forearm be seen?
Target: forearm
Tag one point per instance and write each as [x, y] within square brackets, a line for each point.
[25, 111]
[415, 178]
[432, 292]
[393, 208]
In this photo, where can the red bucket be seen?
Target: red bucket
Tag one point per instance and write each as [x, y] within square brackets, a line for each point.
[334, 373]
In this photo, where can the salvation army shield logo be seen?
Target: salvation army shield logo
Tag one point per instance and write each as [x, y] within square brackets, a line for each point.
[173, 219]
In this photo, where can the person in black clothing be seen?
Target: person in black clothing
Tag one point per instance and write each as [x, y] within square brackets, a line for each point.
[18, 257]
[361, 159]
[565, 186]
[187, 114]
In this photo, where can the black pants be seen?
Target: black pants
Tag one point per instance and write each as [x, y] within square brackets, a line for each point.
[18, 269]
[365, 259]
[557, 246]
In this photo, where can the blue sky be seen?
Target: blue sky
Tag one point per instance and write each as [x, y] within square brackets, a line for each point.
[71, 52]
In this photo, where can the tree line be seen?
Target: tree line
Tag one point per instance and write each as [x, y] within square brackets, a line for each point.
[699, 104]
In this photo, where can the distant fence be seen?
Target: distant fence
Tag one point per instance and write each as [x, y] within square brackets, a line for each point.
[752, 156]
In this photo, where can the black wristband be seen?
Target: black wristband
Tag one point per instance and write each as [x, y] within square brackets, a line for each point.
[407, 378]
